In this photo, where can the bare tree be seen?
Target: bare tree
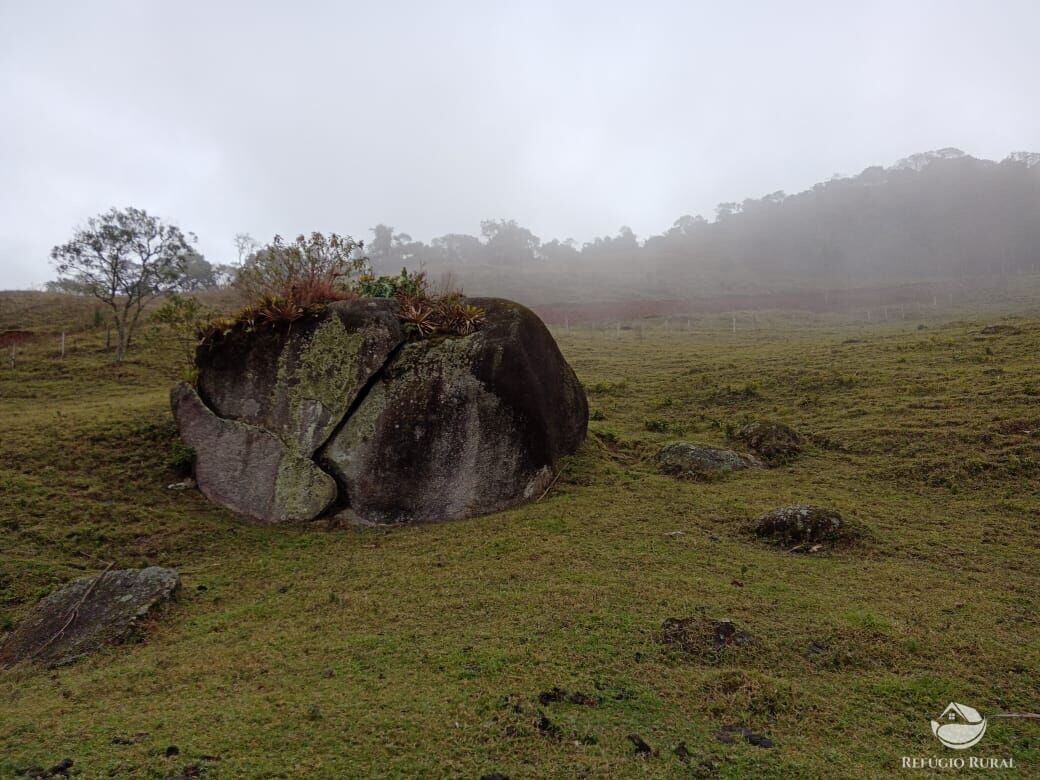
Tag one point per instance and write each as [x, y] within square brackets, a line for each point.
[245, 245]
[124, 258]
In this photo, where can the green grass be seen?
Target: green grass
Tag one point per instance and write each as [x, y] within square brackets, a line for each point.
[421, 650]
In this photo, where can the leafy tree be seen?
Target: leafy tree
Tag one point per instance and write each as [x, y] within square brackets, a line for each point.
[508, 242]
[199, 273]
[124, 258]
[458, 248]
[184, 316]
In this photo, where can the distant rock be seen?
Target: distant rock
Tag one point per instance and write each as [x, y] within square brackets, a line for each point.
[773, 442]
[800, 525]
[696, 461]
[87, 614]
[1000, 329]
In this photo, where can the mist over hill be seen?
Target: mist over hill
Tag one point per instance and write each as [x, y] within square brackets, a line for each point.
[935, 215]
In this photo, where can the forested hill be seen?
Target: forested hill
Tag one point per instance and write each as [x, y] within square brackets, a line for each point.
[938, 213]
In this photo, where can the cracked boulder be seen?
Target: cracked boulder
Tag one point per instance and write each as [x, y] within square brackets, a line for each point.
[341, 412]
[87, 614]
[299, 382]
[248, 469]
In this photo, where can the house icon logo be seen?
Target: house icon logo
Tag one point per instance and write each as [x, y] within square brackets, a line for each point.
[959, 726]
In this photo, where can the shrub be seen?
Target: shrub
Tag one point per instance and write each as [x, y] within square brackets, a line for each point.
[281, 280]
[371, 286]
[185, 317]
[284, 282]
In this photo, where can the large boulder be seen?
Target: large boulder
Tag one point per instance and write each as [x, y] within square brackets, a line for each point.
[342, 411]
[87, 614]
[461, 426]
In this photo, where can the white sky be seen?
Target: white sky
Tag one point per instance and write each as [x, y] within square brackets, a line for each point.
[573, 118]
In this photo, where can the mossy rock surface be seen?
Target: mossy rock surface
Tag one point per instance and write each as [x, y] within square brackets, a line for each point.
[248, 469]
[297, 380]
[461, 426]
[87, 614]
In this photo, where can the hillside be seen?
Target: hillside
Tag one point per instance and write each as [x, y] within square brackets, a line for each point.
[435, 649]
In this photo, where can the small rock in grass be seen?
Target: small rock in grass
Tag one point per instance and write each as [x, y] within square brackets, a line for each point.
[728, 734]
[548, 728]
[1000, 329]
[773, 442]
[697, 462]
[554, 694]
[697, 636]
[800, 525]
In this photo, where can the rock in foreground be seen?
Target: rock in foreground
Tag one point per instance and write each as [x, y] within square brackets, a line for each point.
[344, 413]
[87, 614]
[695, 461]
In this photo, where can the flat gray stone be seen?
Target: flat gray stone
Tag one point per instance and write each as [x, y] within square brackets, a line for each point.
[247, 469]
[87, 614]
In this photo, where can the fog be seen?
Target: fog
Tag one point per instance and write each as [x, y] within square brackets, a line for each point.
[573, 119]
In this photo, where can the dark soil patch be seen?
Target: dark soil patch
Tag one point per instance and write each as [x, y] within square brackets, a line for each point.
[696, 636]
[728, 735]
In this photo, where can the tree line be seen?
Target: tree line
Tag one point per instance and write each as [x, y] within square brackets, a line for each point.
[935, 213]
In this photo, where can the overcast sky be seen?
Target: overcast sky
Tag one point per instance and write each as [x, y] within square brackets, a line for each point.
[573, 118]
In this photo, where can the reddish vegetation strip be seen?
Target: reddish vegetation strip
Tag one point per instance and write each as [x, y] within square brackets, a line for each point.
[813, 301]
[12, 337]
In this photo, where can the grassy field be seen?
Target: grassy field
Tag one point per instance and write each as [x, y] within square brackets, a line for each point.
[423, 650]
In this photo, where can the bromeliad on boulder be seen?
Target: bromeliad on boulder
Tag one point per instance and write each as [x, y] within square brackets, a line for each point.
[348, 411]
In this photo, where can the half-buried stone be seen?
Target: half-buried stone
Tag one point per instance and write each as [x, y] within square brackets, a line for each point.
[774, 442]
[88, 614]
[803, 524]
[698, 462]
